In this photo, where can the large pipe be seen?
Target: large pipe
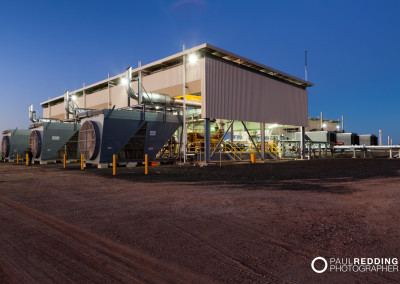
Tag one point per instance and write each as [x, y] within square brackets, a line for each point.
[154, 98]
[66, 105]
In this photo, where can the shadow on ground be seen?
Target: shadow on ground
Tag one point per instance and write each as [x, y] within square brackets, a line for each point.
[315, 175]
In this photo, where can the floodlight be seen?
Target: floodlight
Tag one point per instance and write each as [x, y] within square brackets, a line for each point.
[193, 58]
[123, 81]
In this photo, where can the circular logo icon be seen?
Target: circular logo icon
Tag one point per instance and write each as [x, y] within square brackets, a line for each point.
[316, 270]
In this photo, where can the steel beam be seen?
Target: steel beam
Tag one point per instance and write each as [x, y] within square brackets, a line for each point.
[220, 141]
[251, 139]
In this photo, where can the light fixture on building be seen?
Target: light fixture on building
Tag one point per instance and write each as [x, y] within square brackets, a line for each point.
[73, 98]
[324, 125]
[123, 81]
[193, 58]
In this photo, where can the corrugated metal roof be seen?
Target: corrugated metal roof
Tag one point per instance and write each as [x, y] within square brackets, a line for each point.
[175, 59]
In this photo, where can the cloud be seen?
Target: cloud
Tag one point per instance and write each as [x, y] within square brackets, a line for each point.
[184, 2]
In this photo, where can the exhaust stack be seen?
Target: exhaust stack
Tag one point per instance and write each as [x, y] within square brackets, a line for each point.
[32, 114]
[67, 98]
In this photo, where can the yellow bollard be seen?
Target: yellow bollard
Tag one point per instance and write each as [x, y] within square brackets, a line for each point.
[114, 165]
[146, 166]
[65, 161]
[27, 160]
[82, 162]
[17, 159]
[253, 158]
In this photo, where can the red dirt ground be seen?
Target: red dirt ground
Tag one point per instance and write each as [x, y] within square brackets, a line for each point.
[235, 224]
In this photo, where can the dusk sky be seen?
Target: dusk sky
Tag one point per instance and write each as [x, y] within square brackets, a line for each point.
[47, 47]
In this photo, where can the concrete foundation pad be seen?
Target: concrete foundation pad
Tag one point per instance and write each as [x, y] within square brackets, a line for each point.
[204, 164]
[131, 165]
[48, 162]
[181, 164]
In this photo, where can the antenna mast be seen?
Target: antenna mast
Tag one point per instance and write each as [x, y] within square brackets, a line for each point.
[305, 64]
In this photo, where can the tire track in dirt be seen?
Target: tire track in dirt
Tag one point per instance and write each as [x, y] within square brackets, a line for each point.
[111, 260]
[43, 253]
[290, 248]
[219, 251]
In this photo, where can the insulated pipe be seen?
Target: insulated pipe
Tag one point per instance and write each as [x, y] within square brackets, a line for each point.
[153, 98]
[66, 105]
[31, 114]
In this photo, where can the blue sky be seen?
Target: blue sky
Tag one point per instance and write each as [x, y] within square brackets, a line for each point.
[47, 47]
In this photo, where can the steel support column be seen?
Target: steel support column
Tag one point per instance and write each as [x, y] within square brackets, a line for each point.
[302, 143]
[231, 135]
[184, 105]
[84, 95]
[262, 128]
[207, 140]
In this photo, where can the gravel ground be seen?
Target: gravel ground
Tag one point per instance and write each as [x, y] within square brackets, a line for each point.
[244, 223]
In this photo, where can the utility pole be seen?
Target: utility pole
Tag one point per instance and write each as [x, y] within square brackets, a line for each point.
[380, 137]
[184, 136]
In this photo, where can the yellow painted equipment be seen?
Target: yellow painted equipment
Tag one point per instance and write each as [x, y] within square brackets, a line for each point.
[65, 161]
[82, 162]
[190, 98]
[17, 159]
[27, 160]
[114, 165]
[146, 164]
[253, 158]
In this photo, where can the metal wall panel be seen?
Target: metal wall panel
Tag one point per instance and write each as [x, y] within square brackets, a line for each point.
[46, 112]
[57, 111]
[97, 98]
[173, 76]
[234, 93]
[118, 96]
[168, 82]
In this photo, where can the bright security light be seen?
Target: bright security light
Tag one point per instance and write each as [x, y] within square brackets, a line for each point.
[324, 125]
[337, 126]
[272, 126]
[193, 58]
[73, 98]
[123, 81]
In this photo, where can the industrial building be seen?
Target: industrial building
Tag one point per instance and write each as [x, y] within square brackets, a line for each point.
[227, 102]
[200, 104]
